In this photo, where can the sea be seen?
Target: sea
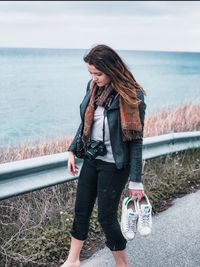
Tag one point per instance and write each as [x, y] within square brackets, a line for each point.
[41, 89]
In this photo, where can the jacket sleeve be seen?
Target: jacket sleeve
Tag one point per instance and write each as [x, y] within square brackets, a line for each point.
[135, 146]
[73, 143]
[78, 132]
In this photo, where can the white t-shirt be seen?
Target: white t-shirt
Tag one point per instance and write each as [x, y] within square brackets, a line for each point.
[97, 134]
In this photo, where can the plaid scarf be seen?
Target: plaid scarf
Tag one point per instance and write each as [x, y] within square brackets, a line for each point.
[129, 115]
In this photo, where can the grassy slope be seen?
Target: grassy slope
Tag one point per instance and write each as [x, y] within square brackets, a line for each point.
[35, 227]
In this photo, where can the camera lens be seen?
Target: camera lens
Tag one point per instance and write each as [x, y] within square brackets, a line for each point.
[89, 155]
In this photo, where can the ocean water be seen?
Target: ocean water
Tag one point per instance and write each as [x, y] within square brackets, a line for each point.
[41, 89]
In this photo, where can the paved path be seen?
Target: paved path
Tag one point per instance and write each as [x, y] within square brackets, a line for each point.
[174, 241]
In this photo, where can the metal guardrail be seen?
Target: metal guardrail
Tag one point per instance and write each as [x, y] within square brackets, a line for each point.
[27, 175]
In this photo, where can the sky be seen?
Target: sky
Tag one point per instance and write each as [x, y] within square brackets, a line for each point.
[126, 25]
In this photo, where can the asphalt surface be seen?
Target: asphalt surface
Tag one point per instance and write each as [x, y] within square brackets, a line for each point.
[174, 241]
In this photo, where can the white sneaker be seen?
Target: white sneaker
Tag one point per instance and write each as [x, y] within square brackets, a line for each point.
[129, 218]
[144, 210]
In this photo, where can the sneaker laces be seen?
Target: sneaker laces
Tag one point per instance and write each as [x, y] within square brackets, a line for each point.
[145, 219]
[146, 216]
[131, 222]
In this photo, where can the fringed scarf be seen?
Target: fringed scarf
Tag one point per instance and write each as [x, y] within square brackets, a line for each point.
[129, 115]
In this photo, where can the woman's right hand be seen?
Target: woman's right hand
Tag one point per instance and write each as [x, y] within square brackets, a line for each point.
[72, 168]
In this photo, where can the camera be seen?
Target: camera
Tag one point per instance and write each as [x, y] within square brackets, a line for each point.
[95, 148]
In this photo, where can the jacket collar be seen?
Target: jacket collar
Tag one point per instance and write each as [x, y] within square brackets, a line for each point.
[85, 102]
[115, 103]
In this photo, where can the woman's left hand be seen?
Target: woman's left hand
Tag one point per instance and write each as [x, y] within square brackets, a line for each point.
[136, 194]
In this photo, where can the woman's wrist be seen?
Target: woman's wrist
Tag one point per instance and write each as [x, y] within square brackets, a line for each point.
[135, 185]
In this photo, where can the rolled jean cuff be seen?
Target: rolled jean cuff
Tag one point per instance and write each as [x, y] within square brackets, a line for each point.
[116, 247]
[78, 236]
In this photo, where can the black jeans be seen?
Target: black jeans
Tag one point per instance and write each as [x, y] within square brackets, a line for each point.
[103, 180]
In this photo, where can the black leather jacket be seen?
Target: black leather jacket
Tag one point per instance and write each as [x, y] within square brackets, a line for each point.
[124, 153]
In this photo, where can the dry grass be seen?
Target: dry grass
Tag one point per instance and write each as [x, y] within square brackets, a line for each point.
[181, 119]
[30, 151]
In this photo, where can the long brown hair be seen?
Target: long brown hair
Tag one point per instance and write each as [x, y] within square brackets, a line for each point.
[105, 59]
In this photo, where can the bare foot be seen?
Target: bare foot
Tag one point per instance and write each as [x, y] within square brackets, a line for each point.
[71, 264]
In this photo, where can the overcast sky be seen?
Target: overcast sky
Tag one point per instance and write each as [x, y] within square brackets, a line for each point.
[136, 25]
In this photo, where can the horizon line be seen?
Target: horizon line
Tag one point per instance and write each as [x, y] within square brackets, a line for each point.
[70, 48]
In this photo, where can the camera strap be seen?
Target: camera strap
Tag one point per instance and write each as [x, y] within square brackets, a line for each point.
[105, 114]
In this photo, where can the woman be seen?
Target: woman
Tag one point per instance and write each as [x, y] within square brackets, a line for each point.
[113, 99]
